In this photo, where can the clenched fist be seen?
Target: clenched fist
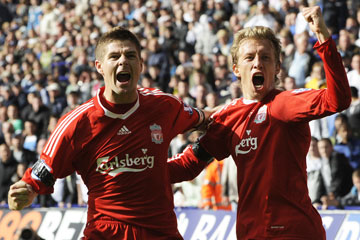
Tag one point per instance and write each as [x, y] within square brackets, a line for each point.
[20, 195]
[316, 22]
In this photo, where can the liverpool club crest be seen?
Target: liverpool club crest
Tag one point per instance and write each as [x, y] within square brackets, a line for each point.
[261, 114]
[156, 134]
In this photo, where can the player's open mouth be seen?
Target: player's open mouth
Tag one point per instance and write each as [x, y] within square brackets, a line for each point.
[123, 76]
[258, 81]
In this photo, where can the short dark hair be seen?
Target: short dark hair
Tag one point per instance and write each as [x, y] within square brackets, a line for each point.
[356, 173]
[354, 92]
[115, 34]
[328, 140]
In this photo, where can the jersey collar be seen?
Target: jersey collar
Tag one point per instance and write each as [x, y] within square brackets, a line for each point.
[111, 114]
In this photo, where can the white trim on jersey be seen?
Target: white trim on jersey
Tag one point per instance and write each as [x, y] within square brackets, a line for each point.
[156, 92]
[110, 114]
[59, 130]
[178, 155]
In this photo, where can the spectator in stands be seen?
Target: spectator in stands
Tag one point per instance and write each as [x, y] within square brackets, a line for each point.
[223, 77]
[199, 63]
[183, 58]
[211, 189]
[30, 136]
[39, 114]
[289, 83]
[14, 117]
[348, 145]
[7, 170]
[335, 169]
[340, 119]
[34, 16]
[351, 199]
[199, 79]
[302, 60]
[234, 92]
[223, 44]
[335, 14]
[206, 37]
[85, 83]
[21, 154]
[65, 191]
[7, 130]
[315, 180]
[188, 193]
[287, 47]
[228, 183]
[57, 101]
[183, 73]
[200, 98]
[19, 95]
[168, 42]
[212, 100]
[263, 16]
[235, 24]
[316, 80]
[353, 112]
[73, 84]
[184, 94]
[20, 170]
[160, 59]
[354, 74]
[6, 96]
[180, 29]
[73, 101]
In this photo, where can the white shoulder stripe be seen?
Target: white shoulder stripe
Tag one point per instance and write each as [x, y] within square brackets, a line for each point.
[59, 130]
[156, 92]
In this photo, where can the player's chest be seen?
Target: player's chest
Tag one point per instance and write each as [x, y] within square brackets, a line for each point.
[249, 133]
[133, 132]
[128, 146]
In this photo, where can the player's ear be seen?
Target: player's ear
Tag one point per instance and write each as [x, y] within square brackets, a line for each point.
[236, 71]
[98, 67]
[277, 68]
[141, 64]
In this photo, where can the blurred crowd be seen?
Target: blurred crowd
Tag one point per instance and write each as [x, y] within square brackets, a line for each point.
[47, 69]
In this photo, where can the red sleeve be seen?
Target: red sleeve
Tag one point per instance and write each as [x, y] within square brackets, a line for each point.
[307, 104]
[185, 166]
[187, 117]
[216, 140]
[58, 154]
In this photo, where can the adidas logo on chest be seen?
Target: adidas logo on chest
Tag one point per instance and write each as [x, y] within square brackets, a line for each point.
[123, 131]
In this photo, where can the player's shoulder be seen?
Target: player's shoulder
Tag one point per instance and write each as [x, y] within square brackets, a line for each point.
[154, 94]
[295, 92]
[80, 112]
[233, 105]
[228, 111]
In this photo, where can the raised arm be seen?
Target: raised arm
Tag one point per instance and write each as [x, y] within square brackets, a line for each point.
[316, 22]
[338, 95]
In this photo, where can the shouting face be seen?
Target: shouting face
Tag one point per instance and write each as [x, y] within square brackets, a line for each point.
[256, 68]
[120, 67]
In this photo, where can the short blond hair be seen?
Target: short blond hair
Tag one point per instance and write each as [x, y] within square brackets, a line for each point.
[255, 33]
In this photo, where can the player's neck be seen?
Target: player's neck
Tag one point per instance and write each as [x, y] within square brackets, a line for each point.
[119, 108]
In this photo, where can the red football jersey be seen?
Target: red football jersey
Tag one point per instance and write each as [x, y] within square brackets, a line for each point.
[121, 157]
[269, 141]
